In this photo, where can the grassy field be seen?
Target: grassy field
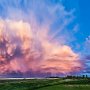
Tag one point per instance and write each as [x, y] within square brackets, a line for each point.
[66, 87]
[45, 84]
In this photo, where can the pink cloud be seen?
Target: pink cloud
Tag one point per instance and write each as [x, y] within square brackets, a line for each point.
[23, 49]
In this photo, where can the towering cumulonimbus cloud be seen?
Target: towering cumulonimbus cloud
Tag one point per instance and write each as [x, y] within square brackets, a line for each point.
[22, 50]
[34, 37]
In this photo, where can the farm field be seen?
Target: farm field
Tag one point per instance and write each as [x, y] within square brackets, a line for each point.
[45, 84]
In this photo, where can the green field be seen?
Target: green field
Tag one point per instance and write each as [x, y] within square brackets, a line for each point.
[66, 87]
[45, 84]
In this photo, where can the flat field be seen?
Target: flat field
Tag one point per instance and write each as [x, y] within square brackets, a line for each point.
[45, 84]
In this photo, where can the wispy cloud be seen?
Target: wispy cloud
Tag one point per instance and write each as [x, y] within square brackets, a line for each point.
[33, 36]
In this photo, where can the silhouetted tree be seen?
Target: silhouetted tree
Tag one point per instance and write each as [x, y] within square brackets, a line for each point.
[83, 76]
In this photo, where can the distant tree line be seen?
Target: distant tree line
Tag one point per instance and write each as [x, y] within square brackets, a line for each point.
[77, 77]
[71, 77]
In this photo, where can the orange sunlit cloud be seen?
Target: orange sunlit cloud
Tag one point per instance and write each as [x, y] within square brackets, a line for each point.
[23, 49]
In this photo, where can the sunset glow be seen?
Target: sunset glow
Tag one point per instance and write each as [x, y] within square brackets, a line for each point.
[33, 40]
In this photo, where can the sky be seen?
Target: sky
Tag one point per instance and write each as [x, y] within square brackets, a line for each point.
[40, 38]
